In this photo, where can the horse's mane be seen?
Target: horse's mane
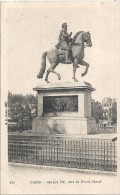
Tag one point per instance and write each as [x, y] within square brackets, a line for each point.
[75, 36]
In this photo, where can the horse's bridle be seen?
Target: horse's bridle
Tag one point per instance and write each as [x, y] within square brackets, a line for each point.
[78, 44]
[88, 44]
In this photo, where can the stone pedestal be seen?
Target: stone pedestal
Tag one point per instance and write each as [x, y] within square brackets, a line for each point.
[64, 108]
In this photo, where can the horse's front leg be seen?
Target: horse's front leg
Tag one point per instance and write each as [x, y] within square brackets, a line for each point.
[83, 63]
[75, 65]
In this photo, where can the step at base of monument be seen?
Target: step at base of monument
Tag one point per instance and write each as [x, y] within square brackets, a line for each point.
[64, 125]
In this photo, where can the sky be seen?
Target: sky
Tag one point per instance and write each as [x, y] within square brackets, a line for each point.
[30, 28]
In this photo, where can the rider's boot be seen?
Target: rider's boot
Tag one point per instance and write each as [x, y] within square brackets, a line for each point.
[67, 57]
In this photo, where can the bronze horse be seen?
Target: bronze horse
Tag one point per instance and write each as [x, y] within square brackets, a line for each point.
[56, 56]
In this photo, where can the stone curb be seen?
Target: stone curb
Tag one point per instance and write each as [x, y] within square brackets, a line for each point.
[64, 169]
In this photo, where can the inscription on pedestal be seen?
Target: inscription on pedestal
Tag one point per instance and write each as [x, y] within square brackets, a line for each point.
[60, 104]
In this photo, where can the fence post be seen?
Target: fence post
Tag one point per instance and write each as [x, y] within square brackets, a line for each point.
[114, 158]
[35, 152]
[104, 155]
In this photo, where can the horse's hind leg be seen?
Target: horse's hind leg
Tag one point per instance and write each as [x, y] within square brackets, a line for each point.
[86, 70]
[51, 69]
[58, 75]
[47, 74]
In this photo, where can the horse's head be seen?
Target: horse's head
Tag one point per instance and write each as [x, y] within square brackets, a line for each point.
[87, 38]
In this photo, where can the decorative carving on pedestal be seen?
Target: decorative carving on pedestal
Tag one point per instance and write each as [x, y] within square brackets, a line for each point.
[60, 104]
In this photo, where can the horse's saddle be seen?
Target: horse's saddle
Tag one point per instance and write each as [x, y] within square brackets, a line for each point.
[61, 53]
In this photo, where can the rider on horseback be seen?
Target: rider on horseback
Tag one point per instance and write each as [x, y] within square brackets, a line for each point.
[64, 40]
[56, 56]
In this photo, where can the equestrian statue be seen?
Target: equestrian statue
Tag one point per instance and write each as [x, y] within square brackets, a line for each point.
[67, 51]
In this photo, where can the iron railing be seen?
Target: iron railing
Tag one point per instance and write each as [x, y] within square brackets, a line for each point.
[106, 130]
[63, 151]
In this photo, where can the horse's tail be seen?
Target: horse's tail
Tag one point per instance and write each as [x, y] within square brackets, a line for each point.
[43, 66]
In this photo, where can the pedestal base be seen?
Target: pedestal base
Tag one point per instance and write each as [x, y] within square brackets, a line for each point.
[64, 125]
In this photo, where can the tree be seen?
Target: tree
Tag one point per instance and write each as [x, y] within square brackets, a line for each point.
[111, 112]
[96, 110]
[114, 112]
[20, 108]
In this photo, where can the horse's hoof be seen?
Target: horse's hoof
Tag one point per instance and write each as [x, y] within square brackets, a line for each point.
[47, 81]
[39, 77]
[75, 80]
[59, 77]
[83, 74]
